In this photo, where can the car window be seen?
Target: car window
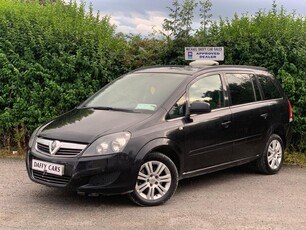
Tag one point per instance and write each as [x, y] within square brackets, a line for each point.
[178, 109]
[137, 91]
[208, 89]
[270, 91]
[241, 88]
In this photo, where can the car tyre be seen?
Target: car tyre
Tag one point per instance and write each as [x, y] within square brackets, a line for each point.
[156, 181]
[271, 160]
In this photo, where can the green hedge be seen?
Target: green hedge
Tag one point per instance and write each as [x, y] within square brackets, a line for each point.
[275, 40]
[52, 57]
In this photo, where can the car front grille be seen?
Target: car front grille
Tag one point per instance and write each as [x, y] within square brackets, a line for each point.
[65, 149]
[50, 178]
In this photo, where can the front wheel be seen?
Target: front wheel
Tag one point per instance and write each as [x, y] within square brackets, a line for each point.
[272, 158]
[156, 181]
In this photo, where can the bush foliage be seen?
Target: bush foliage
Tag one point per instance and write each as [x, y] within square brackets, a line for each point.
[275, 40]
[54, 54]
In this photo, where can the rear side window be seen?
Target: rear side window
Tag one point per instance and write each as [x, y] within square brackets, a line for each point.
[242, 88]
[269, 89]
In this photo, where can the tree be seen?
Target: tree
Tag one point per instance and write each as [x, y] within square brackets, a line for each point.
[171, 24]
[186, 17]
[179, 25]
[205, 9]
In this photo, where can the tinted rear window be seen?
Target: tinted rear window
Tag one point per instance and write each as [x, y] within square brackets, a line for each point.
[241, 88]
[269, 89]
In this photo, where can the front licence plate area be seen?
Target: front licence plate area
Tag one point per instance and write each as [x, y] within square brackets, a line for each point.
[47, 167]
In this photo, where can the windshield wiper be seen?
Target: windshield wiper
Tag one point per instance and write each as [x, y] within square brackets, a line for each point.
[108, 108]
[97, 107]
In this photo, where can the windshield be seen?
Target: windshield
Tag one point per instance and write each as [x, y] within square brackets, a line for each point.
[137, 91]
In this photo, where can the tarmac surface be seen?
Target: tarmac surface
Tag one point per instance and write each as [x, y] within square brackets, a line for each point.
[237, 198]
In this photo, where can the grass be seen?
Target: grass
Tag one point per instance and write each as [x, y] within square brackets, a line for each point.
[291, 158]
[295, 158]
[12, 154]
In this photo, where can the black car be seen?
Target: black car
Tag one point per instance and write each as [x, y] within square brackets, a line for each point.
[143, 132]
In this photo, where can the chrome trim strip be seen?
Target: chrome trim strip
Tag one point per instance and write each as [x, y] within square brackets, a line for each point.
[63, 145]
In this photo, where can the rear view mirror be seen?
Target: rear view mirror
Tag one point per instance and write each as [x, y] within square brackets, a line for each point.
[199, 107]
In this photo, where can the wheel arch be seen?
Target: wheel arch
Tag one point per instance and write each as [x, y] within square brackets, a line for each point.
[165, 146]
[279, 130]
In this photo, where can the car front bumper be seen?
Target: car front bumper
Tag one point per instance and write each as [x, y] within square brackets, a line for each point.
[109, 174]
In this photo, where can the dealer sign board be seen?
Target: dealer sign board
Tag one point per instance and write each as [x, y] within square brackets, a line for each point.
[204, 53]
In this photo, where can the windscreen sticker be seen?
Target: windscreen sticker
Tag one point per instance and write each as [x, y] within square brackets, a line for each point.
[146, 106]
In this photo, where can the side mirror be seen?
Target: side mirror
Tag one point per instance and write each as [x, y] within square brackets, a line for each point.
[199, 107]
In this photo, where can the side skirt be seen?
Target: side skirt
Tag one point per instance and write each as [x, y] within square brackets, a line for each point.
[215, 168]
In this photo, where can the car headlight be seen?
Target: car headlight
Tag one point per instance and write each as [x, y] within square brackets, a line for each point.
[113, 143]
[33, 137]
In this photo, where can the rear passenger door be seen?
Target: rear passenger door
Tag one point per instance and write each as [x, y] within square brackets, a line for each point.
[249, 115]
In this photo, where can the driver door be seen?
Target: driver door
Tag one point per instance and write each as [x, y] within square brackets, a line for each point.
[208, 136]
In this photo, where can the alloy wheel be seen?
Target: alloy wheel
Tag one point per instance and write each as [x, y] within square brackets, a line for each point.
[275, 154]
[153, 181]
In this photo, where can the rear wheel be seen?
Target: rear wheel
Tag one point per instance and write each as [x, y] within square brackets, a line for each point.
[156, 181]
[272, 158]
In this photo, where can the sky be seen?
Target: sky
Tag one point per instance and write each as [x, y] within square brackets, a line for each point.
[140, 16]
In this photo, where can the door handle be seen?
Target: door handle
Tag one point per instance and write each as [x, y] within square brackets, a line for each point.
[226, 124]
[264, 115]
